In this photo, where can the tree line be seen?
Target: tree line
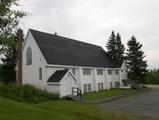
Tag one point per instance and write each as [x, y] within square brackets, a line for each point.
[152, 77]
[134, 55]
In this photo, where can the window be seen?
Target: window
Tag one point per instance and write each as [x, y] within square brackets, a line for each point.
[29, 56]
[86, 71]
[116, 72]
[125, 82]
[117, 84]
[109, 72]
[74, 71]
[99, 72]
[87, 87]
[100, 86]
[40, 73]
[111, 84]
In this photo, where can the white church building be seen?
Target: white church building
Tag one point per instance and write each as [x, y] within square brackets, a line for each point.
[66, 66]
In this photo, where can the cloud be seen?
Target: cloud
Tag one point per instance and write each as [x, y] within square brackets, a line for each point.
[93, 20]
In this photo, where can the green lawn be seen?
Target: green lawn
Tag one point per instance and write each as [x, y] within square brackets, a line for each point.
[54, 110]
[106, 94]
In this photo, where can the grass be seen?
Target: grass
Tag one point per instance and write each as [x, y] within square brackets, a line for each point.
[106, 94]
[26, 93]
[17, 103]
[54, 110]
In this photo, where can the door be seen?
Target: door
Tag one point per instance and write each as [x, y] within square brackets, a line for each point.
[69, 83]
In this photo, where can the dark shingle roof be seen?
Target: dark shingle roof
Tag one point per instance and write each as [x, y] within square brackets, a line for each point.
[57, 76]
[64, 51]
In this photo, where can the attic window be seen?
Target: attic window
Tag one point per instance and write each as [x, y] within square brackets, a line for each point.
[29, 56]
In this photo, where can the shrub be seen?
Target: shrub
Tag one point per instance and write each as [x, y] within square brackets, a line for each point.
[26, 93]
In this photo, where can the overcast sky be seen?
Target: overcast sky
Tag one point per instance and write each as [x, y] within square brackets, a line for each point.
[93, 20]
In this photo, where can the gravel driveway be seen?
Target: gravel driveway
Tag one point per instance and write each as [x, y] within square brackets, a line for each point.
[143, 104]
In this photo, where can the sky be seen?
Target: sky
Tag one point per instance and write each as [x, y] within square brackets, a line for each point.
[92, 21]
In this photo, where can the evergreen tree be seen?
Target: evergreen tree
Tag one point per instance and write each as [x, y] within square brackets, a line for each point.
[120, 49]
[115, 47]
[135, 60]
[9, 21]
[111, 46]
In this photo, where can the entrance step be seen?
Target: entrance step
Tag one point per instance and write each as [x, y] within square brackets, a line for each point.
[75, 98]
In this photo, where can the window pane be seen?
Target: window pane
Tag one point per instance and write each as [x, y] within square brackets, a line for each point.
[99, 72]
[109, 72]
[98, 86]
[85, 87]
[40, 73]
[86, 71]
[29, 56]
[89, 87]
[102, 87]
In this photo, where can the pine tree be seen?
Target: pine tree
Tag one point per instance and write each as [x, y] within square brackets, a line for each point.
[111, 45]
[120, 49]
[135, 60]
[115, 47]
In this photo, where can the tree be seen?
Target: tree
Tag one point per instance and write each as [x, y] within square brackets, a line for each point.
[115, 47]
[135, 60]
[120, 49]
[111, 46]
[9, 21]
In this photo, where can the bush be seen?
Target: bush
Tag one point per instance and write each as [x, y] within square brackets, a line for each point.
[26, 93]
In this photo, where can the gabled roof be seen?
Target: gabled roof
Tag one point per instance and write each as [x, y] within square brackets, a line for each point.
[57, 76]
[59, 50]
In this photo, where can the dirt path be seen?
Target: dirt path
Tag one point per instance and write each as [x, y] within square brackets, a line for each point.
[145, 104]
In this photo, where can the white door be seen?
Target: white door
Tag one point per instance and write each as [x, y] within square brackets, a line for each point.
[69, 83]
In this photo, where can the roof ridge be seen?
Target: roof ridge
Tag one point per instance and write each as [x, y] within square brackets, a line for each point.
[64, 37]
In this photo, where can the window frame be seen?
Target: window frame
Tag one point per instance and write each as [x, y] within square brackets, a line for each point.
[110, 72]
[86, 71]
[100, 71]
[29, 56]
[100, 86]
[40, 73]
[87, 87]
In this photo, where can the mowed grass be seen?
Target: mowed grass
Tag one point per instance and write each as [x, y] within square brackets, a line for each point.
[54, 110]
[106, 94]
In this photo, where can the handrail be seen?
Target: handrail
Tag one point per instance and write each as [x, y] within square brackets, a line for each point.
[77, 91]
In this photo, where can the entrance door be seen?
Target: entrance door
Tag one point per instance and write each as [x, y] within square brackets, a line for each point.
[69, 83]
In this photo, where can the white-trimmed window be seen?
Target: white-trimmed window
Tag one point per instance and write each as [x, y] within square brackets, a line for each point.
[109, 72]
[99, 71]
[29, 56]
[86, 71]
[100, 86]
[87, 87]
[40, 73]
